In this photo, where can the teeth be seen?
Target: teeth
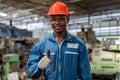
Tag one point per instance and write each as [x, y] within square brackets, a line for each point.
[57, 27]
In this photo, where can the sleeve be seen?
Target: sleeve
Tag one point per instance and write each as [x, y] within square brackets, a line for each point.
[84, 70]
[34, 57]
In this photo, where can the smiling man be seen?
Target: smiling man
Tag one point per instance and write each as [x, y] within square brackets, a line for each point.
[68, 56]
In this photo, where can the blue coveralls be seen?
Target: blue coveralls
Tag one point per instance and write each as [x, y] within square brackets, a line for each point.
[68, 60]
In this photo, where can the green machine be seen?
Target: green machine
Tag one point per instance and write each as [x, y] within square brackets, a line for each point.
[106, 58]
[103, 63]
[104, 55]
[10, 64]
[14, 52]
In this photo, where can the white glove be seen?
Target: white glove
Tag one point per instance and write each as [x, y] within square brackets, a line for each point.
[44, 62]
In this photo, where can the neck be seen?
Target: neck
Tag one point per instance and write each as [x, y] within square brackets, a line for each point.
[60, 36]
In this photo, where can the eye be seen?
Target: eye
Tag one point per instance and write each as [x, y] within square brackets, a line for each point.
[52, 19]
[59, 19]
[62, 19]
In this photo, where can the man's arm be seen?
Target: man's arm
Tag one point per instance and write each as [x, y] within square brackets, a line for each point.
[84, 69]
[34, 58]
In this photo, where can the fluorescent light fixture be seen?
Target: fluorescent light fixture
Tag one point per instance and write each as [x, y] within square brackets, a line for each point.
[72, 12]
[36, 18]
[3, 14]
[14, 15]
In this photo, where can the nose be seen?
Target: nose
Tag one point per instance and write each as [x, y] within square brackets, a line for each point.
[57, 21]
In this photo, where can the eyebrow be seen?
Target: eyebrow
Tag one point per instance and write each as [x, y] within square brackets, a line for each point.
[58, 15]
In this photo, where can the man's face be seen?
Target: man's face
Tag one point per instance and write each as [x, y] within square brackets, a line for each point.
[58, 23]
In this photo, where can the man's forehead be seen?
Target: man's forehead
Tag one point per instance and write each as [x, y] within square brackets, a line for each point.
[57, 16]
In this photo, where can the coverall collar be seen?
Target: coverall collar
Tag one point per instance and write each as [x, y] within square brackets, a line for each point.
[68, 37]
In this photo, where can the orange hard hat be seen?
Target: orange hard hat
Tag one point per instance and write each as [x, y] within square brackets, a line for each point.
[58, 8]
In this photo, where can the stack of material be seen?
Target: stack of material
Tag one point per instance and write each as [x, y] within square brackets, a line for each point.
[82, 35]
[91, 38]
[11, 63]
[13, 76]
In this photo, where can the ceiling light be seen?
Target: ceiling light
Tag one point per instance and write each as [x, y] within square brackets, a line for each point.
[72, 12]
[14, 15]
[36, 18]
[3, 14]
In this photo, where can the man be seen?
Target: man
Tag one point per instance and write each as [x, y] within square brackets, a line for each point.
[68, 57]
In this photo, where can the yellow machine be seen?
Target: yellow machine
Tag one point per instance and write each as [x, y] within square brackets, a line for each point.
[104, 55]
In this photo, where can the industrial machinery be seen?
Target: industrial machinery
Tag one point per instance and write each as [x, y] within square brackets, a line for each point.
[14, 52]
[104, 55]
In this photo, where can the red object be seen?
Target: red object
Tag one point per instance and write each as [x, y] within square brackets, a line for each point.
[58, 8]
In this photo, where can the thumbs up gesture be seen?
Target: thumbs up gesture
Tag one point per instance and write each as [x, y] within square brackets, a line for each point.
[45, 61]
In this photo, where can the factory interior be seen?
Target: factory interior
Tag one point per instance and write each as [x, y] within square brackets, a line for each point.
[25, 22]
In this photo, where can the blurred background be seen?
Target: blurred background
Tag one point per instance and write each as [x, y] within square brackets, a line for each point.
[25, 22]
